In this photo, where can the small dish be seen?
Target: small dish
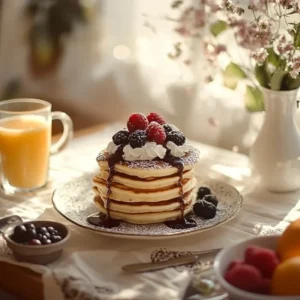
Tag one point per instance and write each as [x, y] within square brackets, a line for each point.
[236, 252]
[38, 254]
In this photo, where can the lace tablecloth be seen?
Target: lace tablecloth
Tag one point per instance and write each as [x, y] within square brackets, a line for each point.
[90, 266]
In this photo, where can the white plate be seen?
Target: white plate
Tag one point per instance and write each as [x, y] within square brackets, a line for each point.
[74, 201]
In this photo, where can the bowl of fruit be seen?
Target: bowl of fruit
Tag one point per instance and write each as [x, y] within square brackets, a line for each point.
[39, 242]
[262, 268]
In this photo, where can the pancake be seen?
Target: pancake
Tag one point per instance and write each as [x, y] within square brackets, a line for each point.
[145, 218]
[145, 191]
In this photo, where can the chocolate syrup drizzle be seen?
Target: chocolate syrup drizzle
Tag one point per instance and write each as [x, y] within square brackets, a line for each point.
[106, 221]
[181, 223]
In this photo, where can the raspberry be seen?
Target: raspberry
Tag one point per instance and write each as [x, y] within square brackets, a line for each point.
[154, 117]
[249, 254]
[137, 121]
[264, 260]
[245, 277]
[121, 137]
[234, 263]
[167, 127]
[156, 133]
[137, 139]
[176, 137]
[265, 286]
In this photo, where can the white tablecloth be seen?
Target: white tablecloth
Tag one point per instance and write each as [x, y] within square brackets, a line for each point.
[90, 266]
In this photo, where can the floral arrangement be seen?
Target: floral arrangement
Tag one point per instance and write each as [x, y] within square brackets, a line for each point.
[267, 31]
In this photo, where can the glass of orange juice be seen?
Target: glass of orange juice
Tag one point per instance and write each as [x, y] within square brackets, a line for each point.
[25, 142]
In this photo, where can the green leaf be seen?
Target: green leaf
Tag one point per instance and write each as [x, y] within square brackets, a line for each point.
[254, 99]
[276, 81]
[232, 74]
[273, 58]
[218, 27]
[297, 36]
[290, 83]
[262, 75]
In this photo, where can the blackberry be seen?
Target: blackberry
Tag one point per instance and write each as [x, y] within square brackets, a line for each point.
[203, 191]
[176, 137]
[212, 199]
[205, 210]
[167, 128]
[121, 137]
[137, 139]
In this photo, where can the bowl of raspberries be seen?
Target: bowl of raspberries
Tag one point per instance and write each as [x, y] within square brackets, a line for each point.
[253, 270]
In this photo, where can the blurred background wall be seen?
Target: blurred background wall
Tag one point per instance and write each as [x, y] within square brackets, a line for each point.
[116, 62]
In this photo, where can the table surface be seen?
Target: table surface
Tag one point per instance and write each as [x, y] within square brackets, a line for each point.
[262, 212]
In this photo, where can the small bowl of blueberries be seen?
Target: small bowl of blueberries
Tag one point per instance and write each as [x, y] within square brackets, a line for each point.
[38, 242]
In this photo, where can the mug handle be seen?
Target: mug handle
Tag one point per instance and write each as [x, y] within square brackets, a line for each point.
[67, 131]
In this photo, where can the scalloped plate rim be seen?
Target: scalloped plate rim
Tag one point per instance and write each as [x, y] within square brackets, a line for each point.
[151, 237]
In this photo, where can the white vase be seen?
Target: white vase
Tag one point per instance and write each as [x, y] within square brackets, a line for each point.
[275, 155]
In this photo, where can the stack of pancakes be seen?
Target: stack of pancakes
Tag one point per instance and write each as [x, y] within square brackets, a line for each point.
[145, 192]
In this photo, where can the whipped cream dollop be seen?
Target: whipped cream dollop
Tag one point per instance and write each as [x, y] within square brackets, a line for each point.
[112, 148]
[149, 151]
[179, 151]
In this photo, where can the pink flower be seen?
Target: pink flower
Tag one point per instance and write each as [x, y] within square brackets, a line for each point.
[260, 55]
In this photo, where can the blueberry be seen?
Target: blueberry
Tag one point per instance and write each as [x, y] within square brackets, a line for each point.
[46, 242]
[20, 234]
[137, 139]
[121, 137]
[47, 235]
[20, 230]
[29, 226]
[35, 242]
[31, 234]
[56, 232]
[203, 191]
[50, 229]
[56, 238]
[39, 236]
[42, 230]
[176, 137]
[205, 210]
[212, 199]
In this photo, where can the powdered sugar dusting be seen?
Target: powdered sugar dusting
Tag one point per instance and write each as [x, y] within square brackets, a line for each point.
[189, 159]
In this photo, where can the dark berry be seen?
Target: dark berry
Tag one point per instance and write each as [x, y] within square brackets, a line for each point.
[35, 242]
[20, 234]
[203, 191]
[29, 226]
[20, 230]
[47, 235]
[50, 229]
[56, 232]
[156, 133]
[167, 128]
[31, 234]
[42, 230]
[212, 199]
[39, 236]
[56, 238]
[176, 137]
[120, 138]
[205, 210]
[137, 139]
[137, 121]
[46, 242]
[154, 117]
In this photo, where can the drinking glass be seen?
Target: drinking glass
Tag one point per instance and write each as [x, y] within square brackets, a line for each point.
[25, 142]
